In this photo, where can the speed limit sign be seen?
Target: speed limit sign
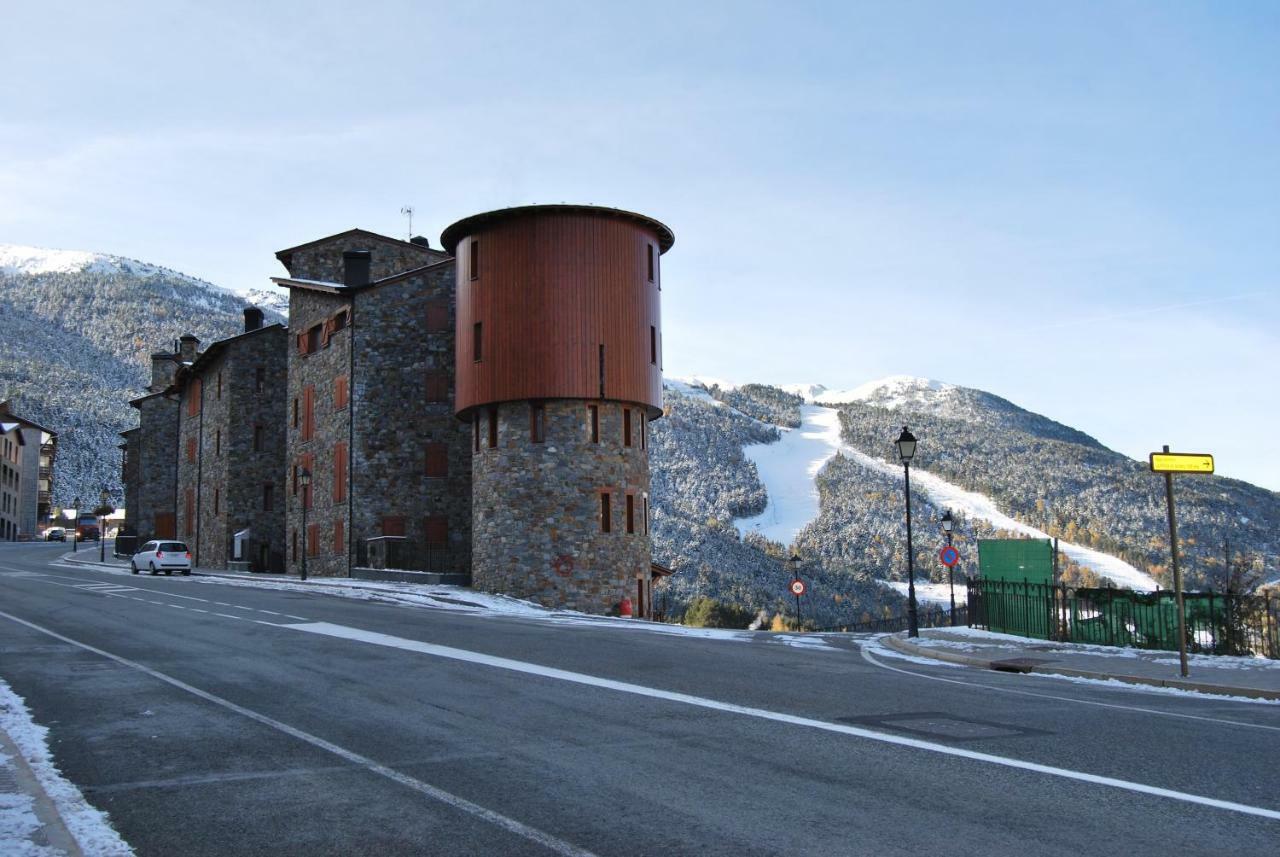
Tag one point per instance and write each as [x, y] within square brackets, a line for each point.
[797, 587]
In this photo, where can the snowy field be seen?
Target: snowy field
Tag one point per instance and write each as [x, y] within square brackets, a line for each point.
[787, 469]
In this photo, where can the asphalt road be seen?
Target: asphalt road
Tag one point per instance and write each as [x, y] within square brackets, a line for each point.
[207, 718]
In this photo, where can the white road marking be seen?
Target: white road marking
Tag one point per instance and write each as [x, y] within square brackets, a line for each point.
[546, 840]
[340, 631]
[867, 656]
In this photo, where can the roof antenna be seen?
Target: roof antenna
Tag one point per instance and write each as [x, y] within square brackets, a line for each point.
[407, 211]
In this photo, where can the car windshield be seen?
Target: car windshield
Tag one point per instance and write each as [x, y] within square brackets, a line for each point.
[173, 546]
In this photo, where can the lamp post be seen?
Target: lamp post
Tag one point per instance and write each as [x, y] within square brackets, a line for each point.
[75, 526]
[104, 498]
[305, 478]
[906, 444]
[947, 524]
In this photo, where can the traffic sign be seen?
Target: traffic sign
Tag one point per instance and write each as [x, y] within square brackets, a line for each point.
[949, 556]
[1181, 462]
[797, 587]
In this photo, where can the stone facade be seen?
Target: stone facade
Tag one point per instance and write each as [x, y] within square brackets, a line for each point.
[406, 458]
[230, 448]
[129, 476]
[537, 507]
[153, 513]
[321, 260]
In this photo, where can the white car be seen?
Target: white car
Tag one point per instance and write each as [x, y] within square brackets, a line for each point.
[161, 556]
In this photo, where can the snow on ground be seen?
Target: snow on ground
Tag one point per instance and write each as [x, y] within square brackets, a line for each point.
[89, 827]
[937, 594]
[787, 470]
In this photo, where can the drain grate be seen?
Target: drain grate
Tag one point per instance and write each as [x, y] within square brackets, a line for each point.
[1018, 665]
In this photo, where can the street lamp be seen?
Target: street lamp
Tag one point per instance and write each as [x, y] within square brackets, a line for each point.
[947, 524]
[104, 499]
[305, 478]
[906, 444]
[75, 526]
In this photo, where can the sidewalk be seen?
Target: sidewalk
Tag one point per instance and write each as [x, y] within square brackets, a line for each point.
[1256, 678]
[29, 820]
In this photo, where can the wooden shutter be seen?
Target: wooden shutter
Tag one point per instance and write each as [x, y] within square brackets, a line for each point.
[437, 530]
[339, 538]
[393, 525]
[437, 460]
[339, 472]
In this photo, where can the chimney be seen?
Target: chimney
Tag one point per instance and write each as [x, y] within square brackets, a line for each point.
[355, 267]
[162, 371]
[421, 241]
[252, 318]
[188, 348]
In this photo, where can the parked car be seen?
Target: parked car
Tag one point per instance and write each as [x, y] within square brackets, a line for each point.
[158, 556]
[55, 534]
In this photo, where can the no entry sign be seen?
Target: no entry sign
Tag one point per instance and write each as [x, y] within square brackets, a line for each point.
[949, 556]
[797, 587]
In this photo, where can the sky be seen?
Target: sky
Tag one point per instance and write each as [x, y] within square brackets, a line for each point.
[1075, 206]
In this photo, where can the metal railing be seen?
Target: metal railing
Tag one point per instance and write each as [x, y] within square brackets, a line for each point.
[1216, 623]
[928, 617]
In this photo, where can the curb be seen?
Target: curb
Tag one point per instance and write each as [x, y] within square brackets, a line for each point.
[899, 644]
[53, 828]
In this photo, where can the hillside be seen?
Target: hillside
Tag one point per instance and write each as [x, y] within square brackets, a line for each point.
[76, 332]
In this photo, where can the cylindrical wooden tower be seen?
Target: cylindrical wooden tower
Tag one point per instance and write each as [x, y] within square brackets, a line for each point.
[559, 372]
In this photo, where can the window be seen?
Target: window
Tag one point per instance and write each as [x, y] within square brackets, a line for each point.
[339, 537]
[259, 380]
[594, 411]
[653, 345]
[340, 321]
[602, 370]
[313, 540]
[437, 531]
[438, 317]
[475, 259]
[340, 397]
[626, 427]
[644, 440]
[217, 498]
[393, 525]
[475, 434]
[191, 449]
[193, 398]
[437, 460]
[294, 545]
[606, 516]
[268, 498]
[308, 412]
[631, 513]
[651, 263]
[339, 472]
[258, 434]
[537, 422]
[296, 468]
[313, 339]
[477, 341]
[646, 516]
[295, 412]
[493, 427]
[436, 386]
[217, 442]
[219, 386]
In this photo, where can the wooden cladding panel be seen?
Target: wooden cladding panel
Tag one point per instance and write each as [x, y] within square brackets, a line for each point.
[554, 287]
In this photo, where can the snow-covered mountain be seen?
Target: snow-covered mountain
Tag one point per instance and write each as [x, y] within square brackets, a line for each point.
[76, 332]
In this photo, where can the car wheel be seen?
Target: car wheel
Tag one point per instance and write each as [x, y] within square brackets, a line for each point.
[133, 568]
[153, 570]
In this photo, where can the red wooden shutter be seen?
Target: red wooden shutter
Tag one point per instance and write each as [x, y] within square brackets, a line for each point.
[437, 460]
[437, 529]
[393, 525]
[339, 472]
[313, 540]
[339, 538]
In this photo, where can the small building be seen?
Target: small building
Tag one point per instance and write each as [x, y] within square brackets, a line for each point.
[151, 449]
[27, 453]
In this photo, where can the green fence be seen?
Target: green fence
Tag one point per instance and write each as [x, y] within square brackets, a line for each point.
[1216, 623]
[1021, 560]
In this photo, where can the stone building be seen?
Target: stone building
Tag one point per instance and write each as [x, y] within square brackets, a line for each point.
[27, 453]
[151, 449]
[230, 448]
[371, 359]
[559, 374]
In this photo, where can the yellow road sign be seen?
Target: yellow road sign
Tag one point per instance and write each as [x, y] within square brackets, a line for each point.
[1181, 462]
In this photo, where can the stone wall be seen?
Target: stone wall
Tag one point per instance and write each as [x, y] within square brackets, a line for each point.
[331, 426]
[537, 507]
[396, 421]
[130, 476]
[157, 462]
[323, 261]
